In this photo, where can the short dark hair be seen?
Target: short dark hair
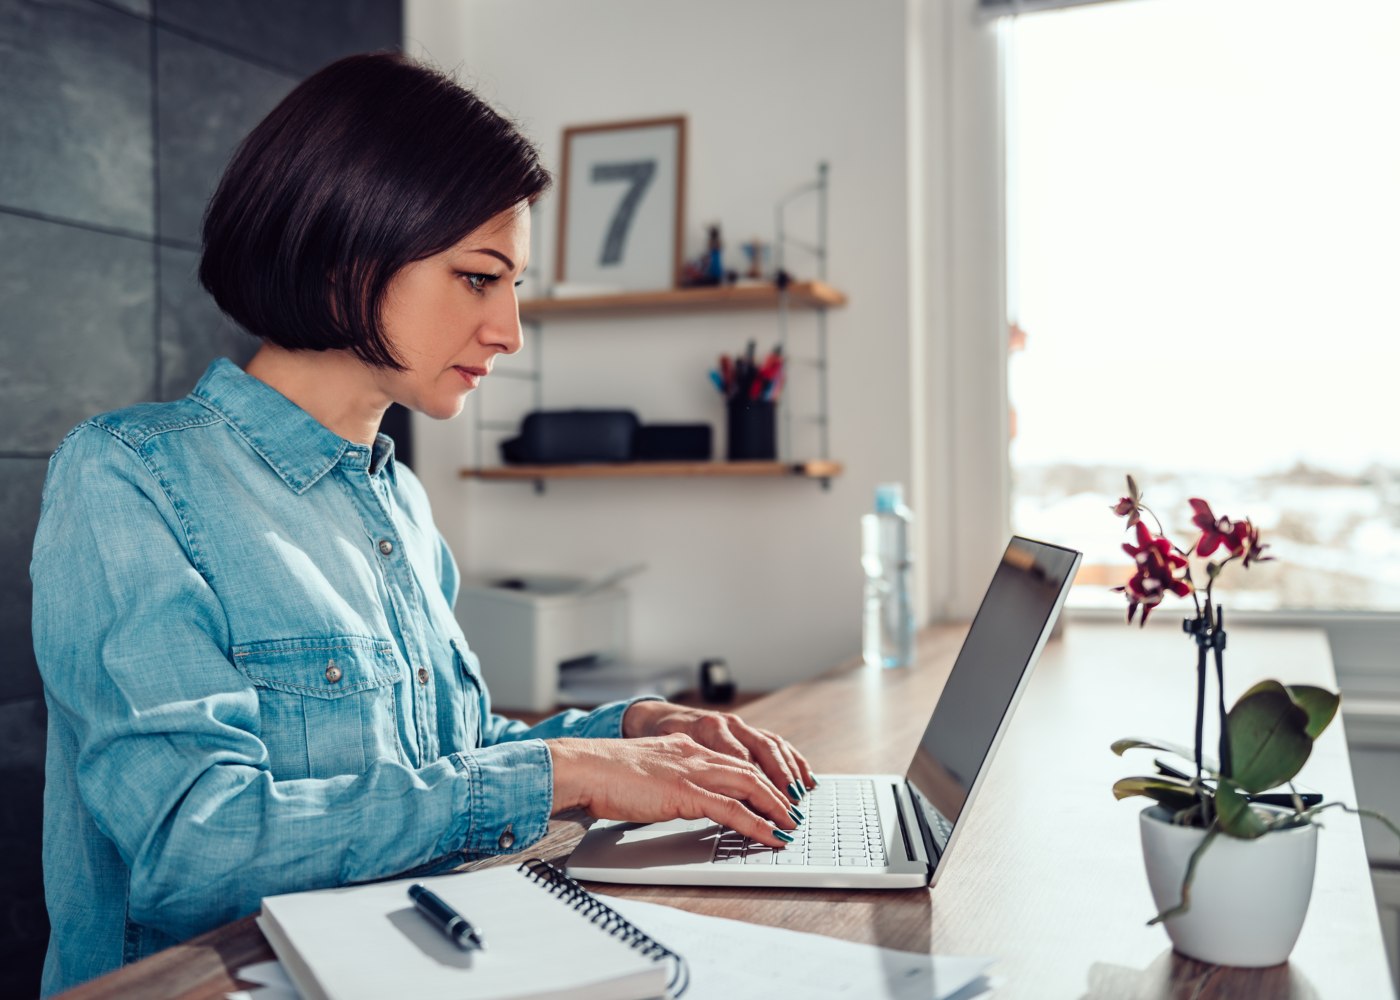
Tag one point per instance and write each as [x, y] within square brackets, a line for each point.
[369, 164]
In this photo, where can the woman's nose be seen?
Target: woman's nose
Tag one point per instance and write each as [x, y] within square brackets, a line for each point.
[502, 329]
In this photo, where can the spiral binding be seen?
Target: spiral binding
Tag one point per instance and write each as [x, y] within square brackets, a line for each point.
[607, 919]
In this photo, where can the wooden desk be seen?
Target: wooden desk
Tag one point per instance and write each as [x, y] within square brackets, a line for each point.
[1048, 874]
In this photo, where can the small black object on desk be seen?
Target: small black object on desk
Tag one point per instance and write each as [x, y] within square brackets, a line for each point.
[716, 684]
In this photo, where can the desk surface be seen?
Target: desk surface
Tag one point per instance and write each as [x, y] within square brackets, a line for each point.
[1047, 876]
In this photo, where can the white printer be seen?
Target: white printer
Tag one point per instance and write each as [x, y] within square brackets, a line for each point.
[525, 628]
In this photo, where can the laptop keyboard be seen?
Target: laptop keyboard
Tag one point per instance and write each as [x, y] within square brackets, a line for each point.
[842, 829]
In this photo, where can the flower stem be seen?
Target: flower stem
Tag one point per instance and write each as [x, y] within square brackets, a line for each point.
[1200, 714]
[1218, 644]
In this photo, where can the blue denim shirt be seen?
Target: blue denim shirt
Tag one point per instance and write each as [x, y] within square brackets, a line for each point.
[254, 677]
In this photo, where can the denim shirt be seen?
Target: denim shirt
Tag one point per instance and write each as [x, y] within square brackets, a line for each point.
[255, 680]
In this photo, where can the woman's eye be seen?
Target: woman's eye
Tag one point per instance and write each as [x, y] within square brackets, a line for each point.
[480, 281]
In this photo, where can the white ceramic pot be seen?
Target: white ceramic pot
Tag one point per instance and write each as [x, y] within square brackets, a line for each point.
[1248, 899]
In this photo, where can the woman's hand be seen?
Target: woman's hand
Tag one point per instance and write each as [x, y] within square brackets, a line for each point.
[787, 769]
[657, 778]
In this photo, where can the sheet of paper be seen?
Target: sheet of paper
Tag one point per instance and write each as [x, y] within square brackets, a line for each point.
[734, 960]
[272, 983]
[266, 974]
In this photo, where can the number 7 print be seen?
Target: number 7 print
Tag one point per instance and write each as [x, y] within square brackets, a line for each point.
[638, 175]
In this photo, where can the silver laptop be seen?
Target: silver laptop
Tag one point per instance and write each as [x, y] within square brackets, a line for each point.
[877, 831]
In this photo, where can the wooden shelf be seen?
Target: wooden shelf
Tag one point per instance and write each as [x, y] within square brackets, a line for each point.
[814, 469]
[800, 295]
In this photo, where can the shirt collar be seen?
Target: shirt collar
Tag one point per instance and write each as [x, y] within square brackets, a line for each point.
[290, 440]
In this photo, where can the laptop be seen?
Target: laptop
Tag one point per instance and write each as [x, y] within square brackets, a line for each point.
[875, 831]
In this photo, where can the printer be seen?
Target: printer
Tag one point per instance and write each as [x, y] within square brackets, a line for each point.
[526, 628]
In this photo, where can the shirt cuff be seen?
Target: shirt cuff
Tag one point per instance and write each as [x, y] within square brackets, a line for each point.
[510, 795]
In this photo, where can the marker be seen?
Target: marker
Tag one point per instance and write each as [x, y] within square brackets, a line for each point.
[445, 918]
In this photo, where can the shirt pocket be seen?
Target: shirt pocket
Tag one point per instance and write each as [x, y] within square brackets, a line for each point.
[326, 706]
[474, 705]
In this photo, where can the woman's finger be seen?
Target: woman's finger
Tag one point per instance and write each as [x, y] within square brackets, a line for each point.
[746, 783]
[796, 761]
[770, 759]
[732, 813]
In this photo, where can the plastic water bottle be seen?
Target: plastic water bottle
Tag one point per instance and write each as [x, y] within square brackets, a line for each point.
[887, 636]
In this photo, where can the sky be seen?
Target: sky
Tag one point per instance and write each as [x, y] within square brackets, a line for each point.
[1204, 226]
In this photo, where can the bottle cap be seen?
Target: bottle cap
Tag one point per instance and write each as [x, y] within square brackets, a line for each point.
[888, 496]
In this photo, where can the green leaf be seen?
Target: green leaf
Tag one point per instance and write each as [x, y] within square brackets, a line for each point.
[1319, 703]
[1269, 741]
[1237, 818]
[1133, 743]
[1173, 793]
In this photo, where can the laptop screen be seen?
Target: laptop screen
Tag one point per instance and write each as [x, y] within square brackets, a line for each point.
[1017, 613]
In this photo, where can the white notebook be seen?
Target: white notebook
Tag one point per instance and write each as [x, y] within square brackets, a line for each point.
[545, 936]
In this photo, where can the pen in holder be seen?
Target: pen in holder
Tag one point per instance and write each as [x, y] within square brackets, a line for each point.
[752, 430]
[751, 390]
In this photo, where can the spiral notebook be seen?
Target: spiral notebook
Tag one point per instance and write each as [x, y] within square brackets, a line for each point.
[546, 937]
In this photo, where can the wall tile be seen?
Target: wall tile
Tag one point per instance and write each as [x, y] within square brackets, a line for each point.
[193, 330]
[141, 8]
[301, 37]
[79, 309]
[21, 483]
[75, 113]
[207, 102]
[24, 922]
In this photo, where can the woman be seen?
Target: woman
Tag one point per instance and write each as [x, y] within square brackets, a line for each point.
[242, 608]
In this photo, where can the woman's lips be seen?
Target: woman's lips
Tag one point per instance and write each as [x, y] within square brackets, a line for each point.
[472, 376]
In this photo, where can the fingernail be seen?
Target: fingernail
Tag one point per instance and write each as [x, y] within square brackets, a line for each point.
[796, 814]
[783, 836]
[793, 793]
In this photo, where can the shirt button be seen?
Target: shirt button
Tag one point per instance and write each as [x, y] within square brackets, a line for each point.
[422, 675]
[386, 547]
[507, 840]
[333, 673]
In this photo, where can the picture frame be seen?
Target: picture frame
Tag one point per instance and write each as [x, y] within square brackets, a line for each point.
[621, 205]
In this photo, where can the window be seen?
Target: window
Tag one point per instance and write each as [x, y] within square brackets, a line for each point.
[1203, 252]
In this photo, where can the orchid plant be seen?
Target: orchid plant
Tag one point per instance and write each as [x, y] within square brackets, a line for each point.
[1265, 738]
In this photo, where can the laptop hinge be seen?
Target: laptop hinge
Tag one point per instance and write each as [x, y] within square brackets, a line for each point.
[911, 828]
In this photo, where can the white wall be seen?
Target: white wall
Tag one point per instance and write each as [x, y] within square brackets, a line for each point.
[762, 572]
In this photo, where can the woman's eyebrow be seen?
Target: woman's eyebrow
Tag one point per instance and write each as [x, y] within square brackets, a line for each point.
[497, 254]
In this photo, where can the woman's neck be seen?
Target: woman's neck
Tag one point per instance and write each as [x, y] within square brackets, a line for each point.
[335, 387]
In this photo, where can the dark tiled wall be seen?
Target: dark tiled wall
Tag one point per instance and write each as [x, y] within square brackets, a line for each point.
[116, 118]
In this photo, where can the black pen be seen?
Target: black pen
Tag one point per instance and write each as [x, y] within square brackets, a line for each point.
[444, 917]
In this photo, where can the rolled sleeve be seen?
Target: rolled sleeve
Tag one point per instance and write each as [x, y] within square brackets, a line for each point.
[603, 722]
[512, 795]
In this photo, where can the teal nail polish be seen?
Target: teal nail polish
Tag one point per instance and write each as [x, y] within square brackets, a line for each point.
[796, 814]
[782, 835]
[792, 792]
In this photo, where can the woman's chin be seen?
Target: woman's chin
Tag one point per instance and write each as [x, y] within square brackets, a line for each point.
[443, 408]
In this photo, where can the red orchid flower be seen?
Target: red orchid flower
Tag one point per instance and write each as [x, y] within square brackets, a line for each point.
[1253, 548]
[1159, 570]
[1130, 505]
[1217, 531]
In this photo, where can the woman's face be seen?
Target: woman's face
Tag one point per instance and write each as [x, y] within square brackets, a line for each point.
[449, 315]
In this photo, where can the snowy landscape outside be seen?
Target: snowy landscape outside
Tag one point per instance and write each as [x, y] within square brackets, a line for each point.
[1204, 251]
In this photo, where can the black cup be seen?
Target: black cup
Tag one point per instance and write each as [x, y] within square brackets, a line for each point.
[752, 430]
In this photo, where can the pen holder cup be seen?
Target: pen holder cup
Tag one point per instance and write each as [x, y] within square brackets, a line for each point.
[752, 430]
